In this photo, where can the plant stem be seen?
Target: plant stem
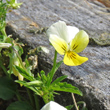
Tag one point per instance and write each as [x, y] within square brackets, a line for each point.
[4, 33]
[36, 102]
[52, 72]
[74, 101]
[55, 58]
[45, 99]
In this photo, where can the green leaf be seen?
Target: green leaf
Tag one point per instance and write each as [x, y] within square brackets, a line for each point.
[3, 11]
[33, 88]
[38, 76]
[34, 83]
[20, 82]
[7, 88]
[43, 76]
[19, 49]
[58, 65]
[52, 72]
[19, 105]
[69, 107]
[59, 79]
[24, 73]
[82, 103]
[64, 86]
[28, 66]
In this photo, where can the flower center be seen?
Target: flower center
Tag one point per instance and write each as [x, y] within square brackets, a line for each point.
[71, 55]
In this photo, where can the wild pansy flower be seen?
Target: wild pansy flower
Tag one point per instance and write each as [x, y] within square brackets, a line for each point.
[68, 41]
[53, 106]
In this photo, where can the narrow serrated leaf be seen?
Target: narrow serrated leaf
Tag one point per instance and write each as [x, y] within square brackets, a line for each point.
[64, 86]
[52, 72]
[33, 88]
[43, 76]
[34, 83]
[59, 79]
[20, 82]
[24, 73]
[58, 65]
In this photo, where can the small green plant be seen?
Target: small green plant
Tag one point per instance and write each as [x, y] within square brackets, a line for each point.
[41, 84]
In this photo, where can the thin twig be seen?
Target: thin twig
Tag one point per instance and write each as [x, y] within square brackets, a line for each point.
[74, 101]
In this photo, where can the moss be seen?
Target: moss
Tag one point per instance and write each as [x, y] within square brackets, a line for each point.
[102, 40]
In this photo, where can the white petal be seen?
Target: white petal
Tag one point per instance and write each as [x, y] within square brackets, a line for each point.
[44, 49]
[60, 29]
[53, 106]
[72, 31]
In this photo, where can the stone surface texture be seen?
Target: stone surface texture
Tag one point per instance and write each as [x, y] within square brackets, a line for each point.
[92, 77]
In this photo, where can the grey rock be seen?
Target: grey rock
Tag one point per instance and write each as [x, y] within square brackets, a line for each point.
[92, 77]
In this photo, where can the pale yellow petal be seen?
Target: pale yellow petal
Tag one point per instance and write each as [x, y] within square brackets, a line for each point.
[80, 41]
[73, 59]
[20, 77]
[60, 29]
[59, 44]
[15, 72]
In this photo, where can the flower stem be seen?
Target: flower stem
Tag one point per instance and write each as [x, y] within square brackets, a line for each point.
[74, 101]
[52, 72]
[55, 58]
